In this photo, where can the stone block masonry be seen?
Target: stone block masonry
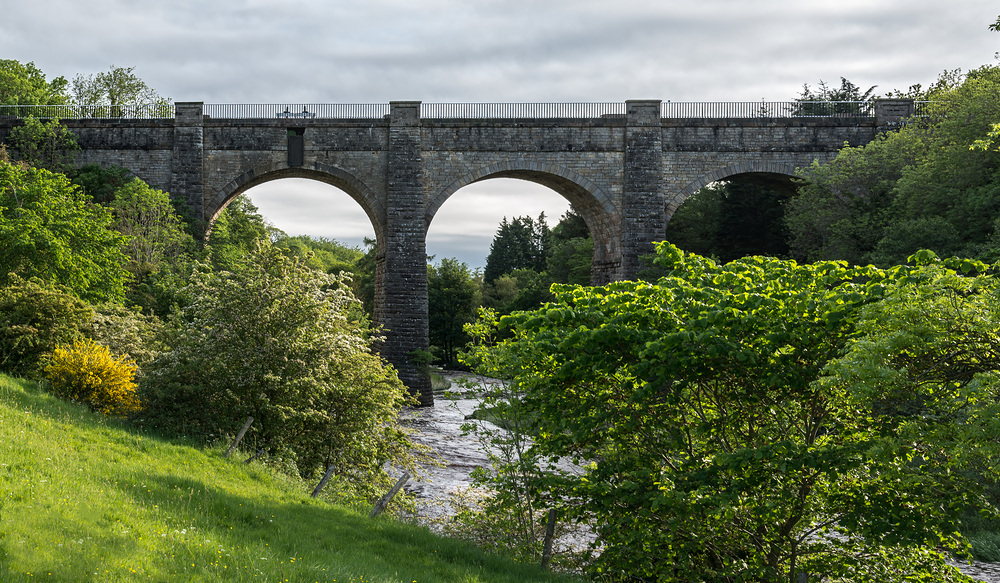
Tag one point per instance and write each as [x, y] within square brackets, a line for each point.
[624, 174]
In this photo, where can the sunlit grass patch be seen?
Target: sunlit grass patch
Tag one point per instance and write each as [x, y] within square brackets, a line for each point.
[85, 498]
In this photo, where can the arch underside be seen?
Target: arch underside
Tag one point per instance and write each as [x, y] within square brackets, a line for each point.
[773, 175]
[355, 188]
[595, 205]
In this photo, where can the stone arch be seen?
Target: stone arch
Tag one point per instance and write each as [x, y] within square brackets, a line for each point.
[321, 172]
[746, 167]
[595, 205]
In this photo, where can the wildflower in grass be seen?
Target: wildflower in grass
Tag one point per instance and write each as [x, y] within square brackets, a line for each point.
[87, 372]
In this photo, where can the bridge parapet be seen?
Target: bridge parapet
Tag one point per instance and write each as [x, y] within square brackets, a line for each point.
[879, 108]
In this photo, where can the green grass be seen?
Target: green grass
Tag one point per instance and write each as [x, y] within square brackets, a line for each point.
[86, 498]
[439, 384]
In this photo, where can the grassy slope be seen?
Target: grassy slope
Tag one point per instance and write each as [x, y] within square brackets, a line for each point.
[83, 498]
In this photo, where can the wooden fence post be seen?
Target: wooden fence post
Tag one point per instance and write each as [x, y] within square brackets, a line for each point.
[550, 533]
[240, 436]
[326, 478]
[388, 497]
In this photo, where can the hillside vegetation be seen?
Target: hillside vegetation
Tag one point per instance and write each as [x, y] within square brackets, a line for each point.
[84, 498]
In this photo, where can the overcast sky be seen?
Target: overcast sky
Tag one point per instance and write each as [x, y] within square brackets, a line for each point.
[376, 51]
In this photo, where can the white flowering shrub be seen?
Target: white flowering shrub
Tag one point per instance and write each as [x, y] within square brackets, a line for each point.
[275, 340]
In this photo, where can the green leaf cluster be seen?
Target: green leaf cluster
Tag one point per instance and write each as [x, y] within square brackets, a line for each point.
[453, 296]
[35, 317]
[731, 219]
[50, 230]
[934, 183]
[116, 87]
[46, 144]
[520, 243]
[25, 84]
[272, 339]
[761, 419]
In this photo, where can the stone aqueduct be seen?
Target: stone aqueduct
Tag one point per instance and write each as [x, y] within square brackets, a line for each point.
[625, 171]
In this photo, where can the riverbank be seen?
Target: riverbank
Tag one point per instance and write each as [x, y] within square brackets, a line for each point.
[440, 429]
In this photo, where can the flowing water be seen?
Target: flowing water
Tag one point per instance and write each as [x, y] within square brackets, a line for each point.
[440, 428]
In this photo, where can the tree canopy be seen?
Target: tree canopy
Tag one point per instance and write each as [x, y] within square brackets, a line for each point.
[273, 339]
[50, 230]
[25, 84]
[760, 419]
[116, 87]
[731, 219]
[155, 231]
[519, 243]
[453, 296]
[44, 144]
[926, 185]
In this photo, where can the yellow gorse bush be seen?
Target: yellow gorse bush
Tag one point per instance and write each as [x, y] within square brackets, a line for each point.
[87, 372]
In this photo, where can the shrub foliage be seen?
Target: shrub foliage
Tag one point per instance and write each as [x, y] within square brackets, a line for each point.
[762, 419]
[272, 339]
[34, 318]
[88, 373]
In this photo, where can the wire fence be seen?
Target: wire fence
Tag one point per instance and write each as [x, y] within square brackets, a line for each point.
[129, 111]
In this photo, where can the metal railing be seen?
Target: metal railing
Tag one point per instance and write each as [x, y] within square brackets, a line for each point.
[922, 108]
[130, 111]
[520, 110]
[296, 111]
[751, 109]
[668, 109]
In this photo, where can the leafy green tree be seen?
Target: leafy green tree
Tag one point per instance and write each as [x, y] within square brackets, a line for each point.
[46, 145]
[825, 100]
[731, 219]
[571, 253]
[363, 280]
[520, 243]
[570, 261]
[927, 185]
[127, 332]
[732, 423]
[844, 207]
[510, 508]
[326, 255]
[50, 230]
[35, 317]
[236, 232]
[532, 289]
[271, 339]
[453, 296]
[500, 295]
[25, 84]
[115, 88]
[156, 234]
[100, 182]
[571, 225]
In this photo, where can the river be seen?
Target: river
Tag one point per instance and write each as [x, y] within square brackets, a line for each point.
[440, 428]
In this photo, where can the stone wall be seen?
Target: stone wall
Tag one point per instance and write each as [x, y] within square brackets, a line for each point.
[625, 174]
